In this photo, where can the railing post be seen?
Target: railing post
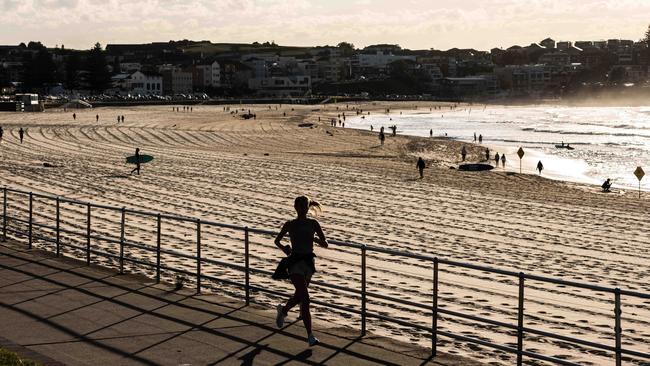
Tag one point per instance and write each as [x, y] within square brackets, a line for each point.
[158, 233]
[88, 234]
[58, 226]
[122, 238]
[363, 290]
[198, 255]
[4, 215]
[520, 320]
[434, 318]
[31, 210]
[618, 331]
[247, 265]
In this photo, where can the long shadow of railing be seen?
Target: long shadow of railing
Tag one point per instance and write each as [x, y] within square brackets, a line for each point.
[619, 352]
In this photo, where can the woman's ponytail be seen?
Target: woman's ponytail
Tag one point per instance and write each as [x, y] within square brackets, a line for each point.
[315, 207]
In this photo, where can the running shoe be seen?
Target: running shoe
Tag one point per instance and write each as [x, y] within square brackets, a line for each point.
[312, 340]
[279, 318]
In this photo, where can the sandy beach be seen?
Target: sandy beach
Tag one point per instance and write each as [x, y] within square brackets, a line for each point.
[212, 164]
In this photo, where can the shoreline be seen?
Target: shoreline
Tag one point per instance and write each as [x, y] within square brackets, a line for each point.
[565, 169]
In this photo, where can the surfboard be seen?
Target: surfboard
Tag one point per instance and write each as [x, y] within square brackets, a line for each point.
[143, 159]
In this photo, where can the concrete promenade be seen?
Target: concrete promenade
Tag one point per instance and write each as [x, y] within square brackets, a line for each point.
[60, 311]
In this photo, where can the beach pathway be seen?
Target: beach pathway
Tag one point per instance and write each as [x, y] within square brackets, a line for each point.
[60, 311]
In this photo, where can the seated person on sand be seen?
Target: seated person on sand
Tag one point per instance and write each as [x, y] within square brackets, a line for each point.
[607, 185]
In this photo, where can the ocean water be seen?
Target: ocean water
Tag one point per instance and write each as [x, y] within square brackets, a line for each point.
[609, 142]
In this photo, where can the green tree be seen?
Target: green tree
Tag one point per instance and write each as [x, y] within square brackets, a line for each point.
[347, 49]
[98, 76]
[72, 68]
[40, 69]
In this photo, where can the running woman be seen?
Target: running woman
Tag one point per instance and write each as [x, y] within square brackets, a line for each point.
[301, 267]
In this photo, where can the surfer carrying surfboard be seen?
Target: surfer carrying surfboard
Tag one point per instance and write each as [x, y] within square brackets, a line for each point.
[137, 161]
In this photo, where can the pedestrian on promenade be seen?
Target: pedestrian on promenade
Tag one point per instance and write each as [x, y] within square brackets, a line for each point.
[300, 260]
[421, 165]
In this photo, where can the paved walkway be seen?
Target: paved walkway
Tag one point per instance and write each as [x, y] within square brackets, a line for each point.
[68, 313]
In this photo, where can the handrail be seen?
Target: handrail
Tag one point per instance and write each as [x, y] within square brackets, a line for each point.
[362, 294]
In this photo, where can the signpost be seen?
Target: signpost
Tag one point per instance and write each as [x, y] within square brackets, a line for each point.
[639, 175]
[520, 153]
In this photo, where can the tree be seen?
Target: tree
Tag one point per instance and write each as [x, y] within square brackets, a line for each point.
[98, 76]
[72, 68]
[647, 36]
[40, 70]
[347, 49]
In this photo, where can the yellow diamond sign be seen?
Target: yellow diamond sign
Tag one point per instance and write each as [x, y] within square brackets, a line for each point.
[639, 173]
[520, 152]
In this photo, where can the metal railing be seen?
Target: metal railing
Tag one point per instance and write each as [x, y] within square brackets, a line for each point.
[436, 311]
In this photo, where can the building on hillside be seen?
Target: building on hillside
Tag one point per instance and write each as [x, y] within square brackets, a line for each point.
[287, 86]
[206, 76]
[375, 63]
[555, 58]
[470, 87]
[564, 45]
[548, 43]
[524, 79]
[129, 67]
[146, 83]
[176, 80]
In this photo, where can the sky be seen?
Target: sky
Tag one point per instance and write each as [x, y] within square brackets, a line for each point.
[423, 24]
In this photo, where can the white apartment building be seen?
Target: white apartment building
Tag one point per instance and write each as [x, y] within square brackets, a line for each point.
[210, 75]
[146, 83]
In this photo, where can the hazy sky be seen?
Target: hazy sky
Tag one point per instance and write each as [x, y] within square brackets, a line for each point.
[441, 24]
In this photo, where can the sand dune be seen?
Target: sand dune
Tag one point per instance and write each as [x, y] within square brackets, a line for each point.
[213, 165]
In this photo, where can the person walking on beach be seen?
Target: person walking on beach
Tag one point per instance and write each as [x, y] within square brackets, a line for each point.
[2, 132]
[496, 160]
[74, 116]
[474, 136]
[382, 138]
[431, 132]
[21, 134]
[122, 118]
[137, 161]
[300, 261]
[487, 154]
[503, 160]
[371, 128]
[480, 139]
[421, 165]
[463, 153]
[97, 118]
[540, 167]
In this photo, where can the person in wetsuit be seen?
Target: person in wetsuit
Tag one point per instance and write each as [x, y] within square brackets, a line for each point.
[137, 161]
[301, 267]
[421, 165]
